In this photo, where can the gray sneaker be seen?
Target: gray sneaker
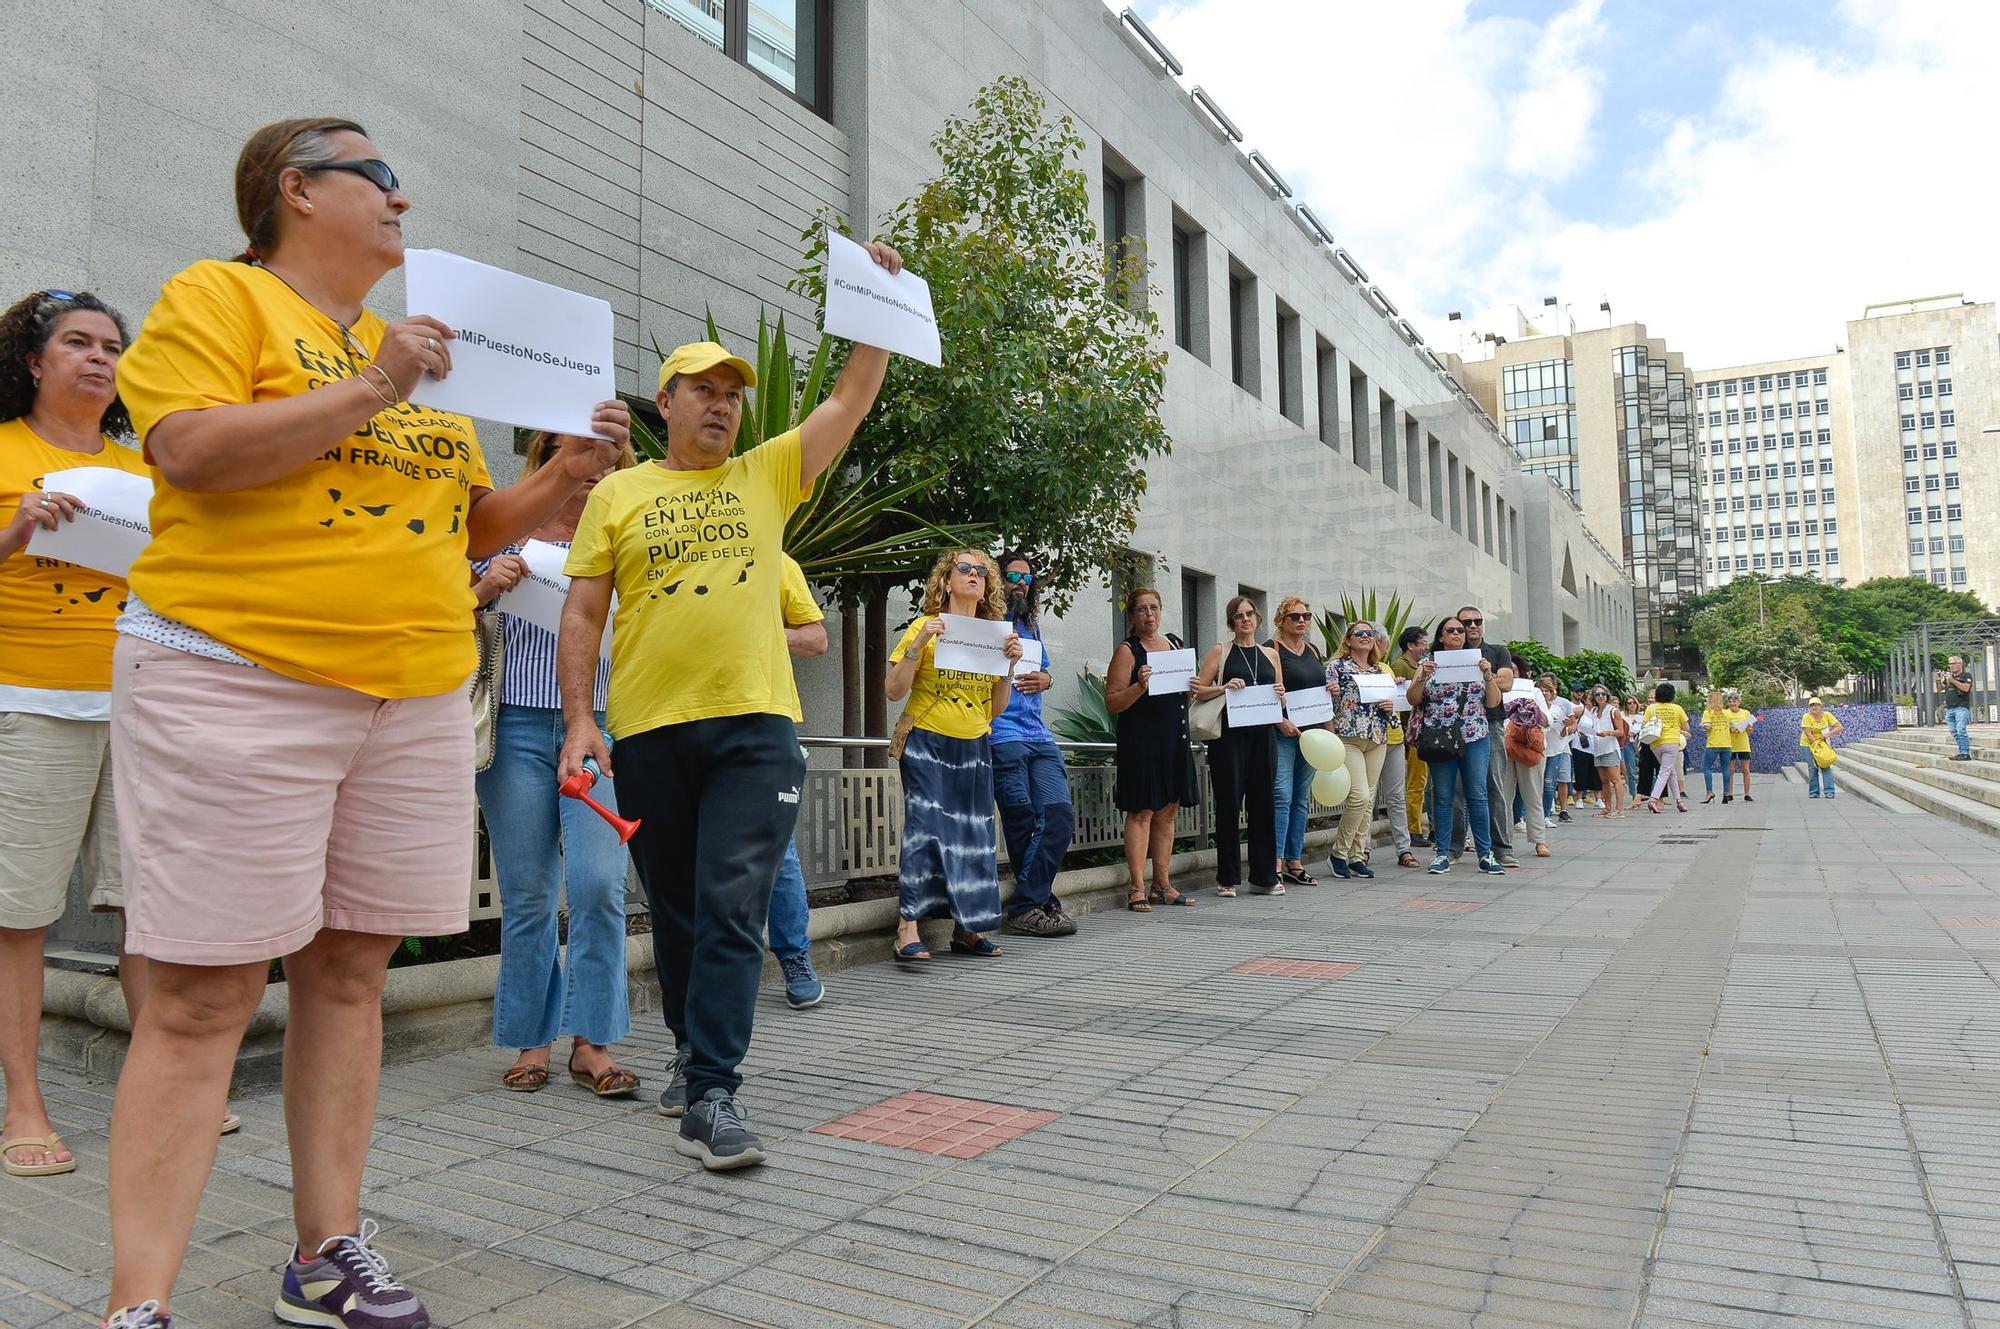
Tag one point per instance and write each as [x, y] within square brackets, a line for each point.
[674, 1098]
[1507, 859]
[347, 1285]
[802, 986]
[713, 1131]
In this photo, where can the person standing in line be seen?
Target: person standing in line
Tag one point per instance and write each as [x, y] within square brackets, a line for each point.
[702, 705]
[1363, 728]
[549, 850]
[1714, 726]
[1523, 747]
[1673, 726]
[301, 626]
[1155, 763]
[1496, 654]
[1558, 766]
[59, 410]
[1634, 713]
[1954, 686]
[1741, 722]
[787, 921]
[1818, 726]
[1583, 773]
[947, 863]
[1035, 812]
[1242, 764]
[1302, 670]
[1608, 722]
[1412, 644]
[1452, 728]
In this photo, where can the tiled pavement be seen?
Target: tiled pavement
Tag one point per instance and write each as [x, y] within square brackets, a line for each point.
[1729, 1068]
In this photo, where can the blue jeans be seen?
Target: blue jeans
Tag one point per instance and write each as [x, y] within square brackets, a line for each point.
[1818, 781]
[1446, 777]
[1713, 760]
[1959, 720]
[1036, 819]
[785, 926]
[1294, 799]
[1630, 751]
[546, 847]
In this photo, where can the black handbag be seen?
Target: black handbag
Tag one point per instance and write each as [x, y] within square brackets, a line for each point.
[1442, 744]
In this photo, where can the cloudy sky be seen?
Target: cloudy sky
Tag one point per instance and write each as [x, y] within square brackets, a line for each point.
[1743, 176]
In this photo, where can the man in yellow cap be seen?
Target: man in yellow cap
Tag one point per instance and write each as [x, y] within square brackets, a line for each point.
[701, 704]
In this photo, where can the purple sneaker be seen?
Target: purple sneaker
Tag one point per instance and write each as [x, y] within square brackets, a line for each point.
[146, 1315]
[347, 1285]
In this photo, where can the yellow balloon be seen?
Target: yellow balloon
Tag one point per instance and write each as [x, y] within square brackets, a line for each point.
[1330, 788]
[1323, 751]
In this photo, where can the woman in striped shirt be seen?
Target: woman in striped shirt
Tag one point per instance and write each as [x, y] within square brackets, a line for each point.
[546, 846]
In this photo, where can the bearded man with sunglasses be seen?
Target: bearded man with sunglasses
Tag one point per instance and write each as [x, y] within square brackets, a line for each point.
[1028, 777]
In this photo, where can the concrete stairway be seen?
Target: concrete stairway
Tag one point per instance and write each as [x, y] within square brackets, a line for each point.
[1912, 767]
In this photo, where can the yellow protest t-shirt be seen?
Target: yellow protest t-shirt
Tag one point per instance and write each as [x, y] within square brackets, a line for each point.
[350, 571]
[697, 559]
[1673, 721]
[1739, 739]
[800, 607]
[951, 702]
[1813, 728]
[55, 618]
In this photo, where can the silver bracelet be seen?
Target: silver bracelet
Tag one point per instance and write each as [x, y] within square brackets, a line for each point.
[387, 399]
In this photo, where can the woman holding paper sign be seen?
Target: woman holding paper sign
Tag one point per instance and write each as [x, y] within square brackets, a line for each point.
[1363, 727]
[1303, 672]
[1452, 738]
[948, 862]
[300, 628]
[1242, 764]
[1155, 773]
[59, 410]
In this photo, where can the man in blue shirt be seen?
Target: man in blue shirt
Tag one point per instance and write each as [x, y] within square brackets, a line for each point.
[1028, 777]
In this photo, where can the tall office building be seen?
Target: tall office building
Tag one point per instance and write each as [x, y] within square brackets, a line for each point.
[1607, 412]
[1914, 395]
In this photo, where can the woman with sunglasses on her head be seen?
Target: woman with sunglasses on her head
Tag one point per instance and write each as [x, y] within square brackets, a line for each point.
[1363, 728]
[59, 403]
[1300, 667]
[1242, 764]
[948, 861]
[1155, 770]
[1452, 734]
[300, 629]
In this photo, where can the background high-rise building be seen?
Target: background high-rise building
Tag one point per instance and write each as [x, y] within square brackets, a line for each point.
[1802, 457]
[1607, 412]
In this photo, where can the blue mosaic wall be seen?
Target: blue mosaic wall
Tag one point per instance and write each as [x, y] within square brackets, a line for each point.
[1774, 743]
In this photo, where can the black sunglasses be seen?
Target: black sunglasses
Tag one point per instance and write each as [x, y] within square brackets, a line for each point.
[1472, 622]
[1298, 618]
[1365, 634]
[1451, 627]
[373, 169]
[970, 570]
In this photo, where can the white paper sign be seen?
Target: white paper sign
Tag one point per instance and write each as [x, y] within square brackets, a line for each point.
[866, 303]
[1402, 697]
[1457, 667]
[1376, 687]
[1743, 725]
[538, 597]
[113, 526]
[1309, 706]
[1250, 706]
[974, 645]
[1172, 671]
[527, 353]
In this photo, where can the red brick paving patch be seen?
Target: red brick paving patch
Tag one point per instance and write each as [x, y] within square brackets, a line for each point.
[1968, 921]
[1452, 906]
[1277, 966]
[937, 1124]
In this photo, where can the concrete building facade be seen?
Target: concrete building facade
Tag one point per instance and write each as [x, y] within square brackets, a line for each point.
[1820, 443]
[1606, 414]
[668, 154]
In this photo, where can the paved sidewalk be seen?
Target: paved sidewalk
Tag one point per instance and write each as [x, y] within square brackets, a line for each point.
[1738, 1067]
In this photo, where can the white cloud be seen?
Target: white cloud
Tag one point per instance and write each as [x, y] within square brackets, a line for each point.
[1840, 163]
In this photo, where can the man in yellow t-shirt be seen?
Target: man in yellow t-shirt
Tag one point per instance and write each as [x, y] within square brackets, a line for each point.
[702, 706]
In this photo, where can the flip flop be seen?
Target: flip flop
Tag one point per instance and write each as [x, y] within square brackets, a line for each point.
[976, 946]
[50, 1142]
[231, 1123]
[913, 952]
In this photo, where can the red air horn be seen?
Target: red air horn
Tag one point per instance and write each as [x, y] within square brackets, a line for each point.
[578, 786]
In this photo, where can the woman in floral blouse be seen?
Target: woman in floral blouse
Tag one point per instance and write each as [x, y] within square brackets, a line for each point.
[1453, 738]
[1364, 731]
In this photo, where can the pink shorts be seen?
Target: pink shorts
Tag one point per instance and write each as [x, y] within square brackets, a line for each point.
[254, 809]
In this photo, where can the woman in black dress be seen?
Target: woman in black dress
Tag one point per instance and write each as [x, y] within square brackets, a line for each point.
[1243, 763]
[1155, 767]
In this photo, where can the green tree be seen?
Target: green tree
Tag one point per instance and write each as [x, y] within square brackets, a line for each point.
[1587, 669]
[1785, 646]
[1539, 657]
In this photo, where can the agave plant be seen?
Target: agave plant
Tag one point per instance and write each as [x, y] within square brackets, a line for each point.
[1089, 721]
[851, 529]
[1390, 618]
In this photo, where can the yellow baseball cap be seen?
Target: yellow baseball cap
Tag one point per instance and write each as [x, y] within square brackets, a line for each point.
[699, 356]
[1814, 701]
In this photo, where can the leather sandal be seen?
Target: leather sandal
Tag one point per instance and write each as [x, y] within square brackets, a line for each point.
[1164, 893]
[911, 952]
[525, 1079]
[1406, 859]
[971, 943]
[1135, 900]
[47, 1144]
[612, 1082]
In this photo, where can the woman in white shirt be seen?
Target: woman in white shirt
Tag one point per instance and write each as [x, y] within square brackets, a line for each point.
[1605, 724]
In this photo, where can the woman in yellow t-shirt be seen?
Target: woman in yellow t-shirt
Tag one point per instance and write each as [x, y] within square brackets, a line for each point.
[1673, 722]
[292, 744]
[948, 863]
[1741, 722]
[59, 404]
[1714, 725]
[1818, 725]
